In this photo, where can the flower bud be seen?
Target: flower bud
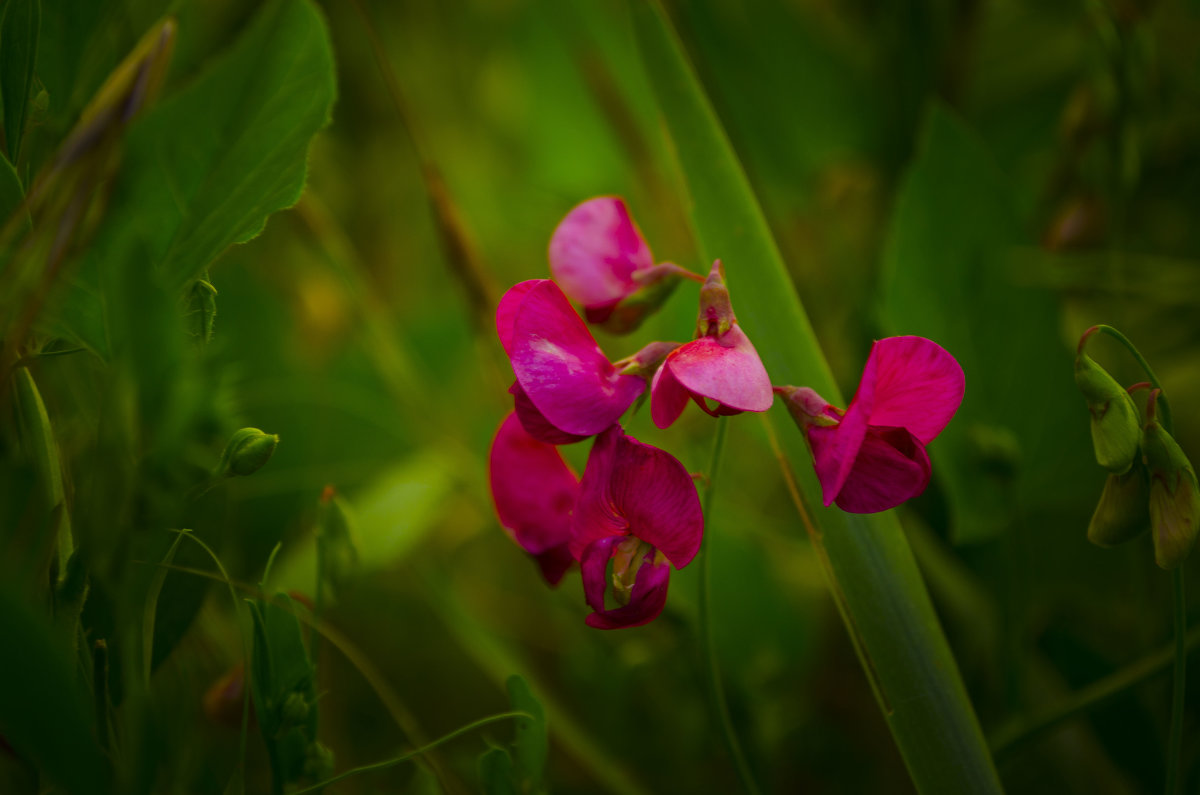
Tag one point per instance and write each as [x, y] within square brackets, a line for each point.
[1174, 494]
[294, 711]
[247, 452]
[1121, 513]
[716, 310]
[625, 316]
[318, 762]
[1115, 433]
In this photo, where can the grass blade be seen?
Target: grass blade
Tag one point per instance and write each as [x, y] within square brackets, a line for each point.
[870, 568]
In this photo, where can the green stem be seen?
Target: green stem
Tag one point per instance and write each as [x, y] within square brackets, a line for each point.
[716, 691]
[384, 765]
[1175, 743]
[1145, 365]
[1090, 697]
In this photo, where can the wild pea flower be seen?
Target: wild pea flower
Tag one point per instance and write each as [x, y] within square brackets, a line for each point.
[566, 388]
[639, 509]
[720, 364]
[1115, 427]
[534, 491]
[600, 259]
[872, 456]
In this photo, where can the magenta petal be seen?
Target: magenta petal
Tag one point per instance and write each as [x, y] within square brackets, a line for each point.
[535, 423]
[636, 488]
[918, 385]
[835, 449]
[892, 467]
[593, 566]
[596, 249]
[562, 369]
[646, 602]
[668, 398]
[554, 563]
[725, 369]
[534, 492]
[506, 311]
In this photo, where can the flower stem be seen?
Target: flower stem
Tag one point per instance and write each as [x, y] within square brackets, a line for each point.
[716, 691]
[1175, 742]
[1141, 360]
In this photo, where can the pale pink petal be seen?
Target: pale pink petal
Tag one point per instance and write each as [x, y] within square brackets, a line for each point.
[892, 467]
[656, 496]
[726, 370]
[918, 385]
[506, 311]
[596, 249]
[668, 398]
[562, 369]
[535, 423]
[534, 492]
[646, 602]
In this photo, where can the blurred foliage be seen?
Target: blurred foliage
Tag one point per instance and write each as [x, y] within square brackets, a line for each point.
[997, 176]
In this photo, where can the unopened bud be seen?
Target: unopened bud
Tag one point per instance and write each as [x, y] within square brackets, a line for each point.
[1174, 493]
[716, 310]
[645, 363]
[318, 762]
[294, 711]
[1121, 513]
[1115, 432]
[626, 315]
[247, 452]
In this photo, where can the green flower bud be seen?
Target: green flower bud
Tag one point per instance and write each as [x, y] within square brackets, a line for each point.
[294, 711]
[1174, 494]
[318, 762]
[1121, 513]
[1115, 432]
[247, 452]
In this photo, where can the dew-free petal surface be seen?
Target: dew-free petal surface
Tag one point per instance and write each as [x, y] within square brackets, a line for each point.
[891, 467]
[534, 492]
[668, 398]
[726, 369]
[918, 385]
[647, 600]
[535, 423]
[506, 310]
[596, 249]
[562, 369]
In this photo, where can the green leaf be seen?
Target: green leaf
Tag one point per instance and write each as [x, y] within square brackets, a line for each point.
[18, 54]
[531, 744]
[12, 195]
[150, 609]
[205, 168]
[871, 570]
[496, 773]
[947, 276]
[45, 711]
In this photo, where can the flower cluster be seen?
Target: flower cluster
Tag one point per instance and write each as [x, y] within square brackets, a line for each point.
[635, 512]
[1156, 489]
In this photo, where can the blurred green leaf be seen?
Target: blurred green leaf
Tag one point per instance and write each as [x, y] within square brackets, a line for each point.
[18, 52]
[948, 276]
[45, 712]
[496, 773]
[531, 744]
[12, 194]
[209, 164]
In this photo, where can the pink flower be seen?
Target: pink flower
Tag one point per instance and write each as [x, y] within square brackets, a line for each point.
[872, 456]
[638, 508]
[534, 491]
[602, 261]
[719, 365]
[566, 387]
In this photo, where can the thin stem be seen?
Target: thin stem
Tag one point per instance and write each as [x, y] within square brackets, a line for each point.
[1090, 697]
[384, 765]
[1145, 365]
[716, 691]
[1175, 743]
